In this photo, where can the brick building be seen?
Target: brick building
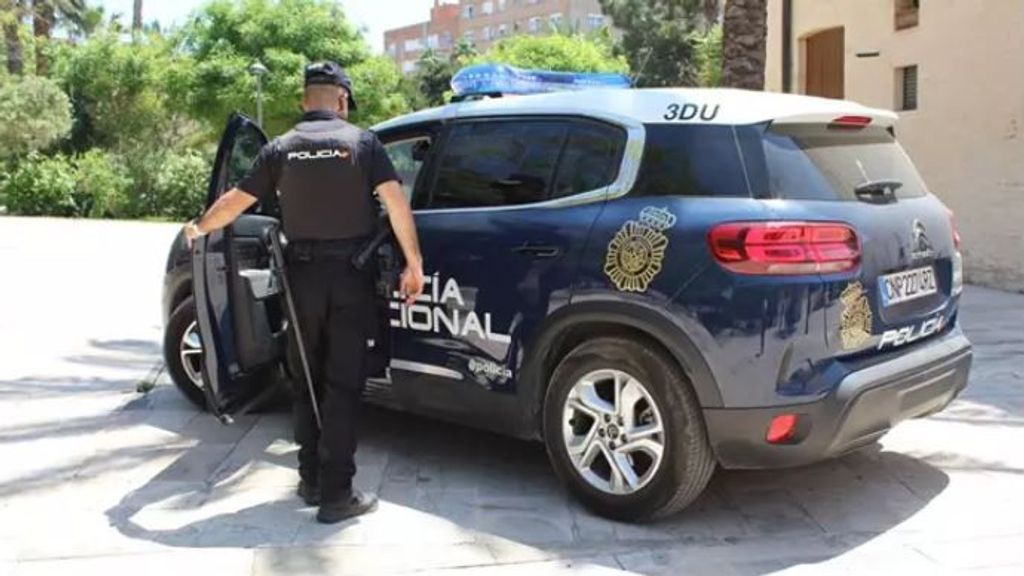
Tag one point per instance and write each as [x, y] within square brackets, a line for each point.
[483, 22]
[405, 45]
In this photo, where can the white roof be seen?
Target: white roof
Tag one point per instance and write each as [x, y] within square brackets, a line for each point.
[660, 106]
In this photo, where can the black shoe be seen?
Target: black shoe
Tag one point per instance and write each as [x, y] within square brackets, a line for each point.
[356, 504]
[309, 493]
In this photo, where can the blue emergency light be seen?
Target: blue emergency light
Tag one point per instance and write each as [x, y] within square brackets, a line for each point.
[500, 79]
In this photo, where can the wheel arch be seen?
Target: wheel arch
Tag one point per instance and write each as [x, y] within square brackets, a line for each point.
[569, 326]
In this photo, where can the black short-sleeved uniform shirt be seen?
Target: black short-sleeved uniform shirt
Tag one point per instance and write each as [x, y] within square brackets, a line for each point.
[323, 174]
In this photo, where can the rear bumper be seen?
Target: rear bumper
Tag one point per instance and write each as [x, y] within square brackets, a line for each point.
[865, 405]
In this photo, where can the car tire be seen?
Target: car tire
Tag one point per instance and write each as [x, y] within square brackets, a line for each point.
[648, 377]
[182, 320]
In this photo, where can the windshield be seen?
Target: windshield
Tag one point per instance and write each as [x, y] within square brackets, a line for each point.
[817, 162]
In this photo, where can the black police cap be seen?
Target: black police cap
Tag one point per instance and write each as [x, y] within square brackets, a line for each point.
[331, 74]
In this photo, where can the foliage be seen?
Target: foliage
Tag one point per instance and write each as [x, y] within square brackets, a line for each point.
[225, 37]
[658, 38]
[103, 186]
[119, 92]
[34, 114]
[433, 78]
[377, 84]
[41, 186]
[575, 53]
[708, 47]
[179, 185]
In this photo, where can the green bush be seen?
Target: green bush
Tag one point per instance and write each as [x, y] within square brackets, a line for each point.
[103, 186]
[179, 185]
[34, 114]
[41, 186]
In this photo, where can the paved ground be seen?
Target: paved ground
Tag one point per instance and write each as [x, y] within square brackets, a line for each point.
[96, 478]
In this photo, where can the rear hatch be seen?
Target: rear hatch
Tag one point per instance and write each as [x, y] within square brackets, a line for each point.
[853, 171]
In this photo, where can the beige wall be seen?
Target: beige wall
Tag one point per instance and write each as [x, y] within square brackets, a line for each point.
[967, 135]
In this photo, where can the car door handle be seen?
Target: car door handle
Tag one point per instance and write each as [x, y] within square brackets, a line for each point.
[538, 250]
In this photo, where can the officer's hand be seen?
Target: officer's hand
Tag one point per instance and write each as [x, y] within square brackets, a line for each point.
[191, 232]
[411, 283]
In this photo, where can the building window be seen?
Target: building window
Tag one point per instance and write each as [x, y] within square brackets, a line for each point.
[409, 66]
[468, 36]
[487, 7]
[502, 31]
[392, 50]
[595, 21]
[433, 42]
[487, 33]
[467, 13]
[534, 25]
[446, 40]
[501, 5]
[413, 45]
[907, 12]
[906, 83]
[555, 21]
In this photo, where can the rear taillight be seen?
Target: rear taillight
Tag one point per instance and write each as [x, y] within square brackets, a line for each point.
[952, 226]
[785, 248]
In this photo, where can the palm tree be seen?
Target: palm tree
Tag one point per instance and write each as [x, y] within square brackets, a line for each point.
[743, 43]
[44, 18]
[13, 12]
[137, 17]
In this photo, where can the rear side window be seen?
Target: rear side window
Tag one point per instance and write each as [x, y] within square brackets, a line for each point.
[498, 163]
[591, 159]
[815, 162]
[513, 162]
[681, 160]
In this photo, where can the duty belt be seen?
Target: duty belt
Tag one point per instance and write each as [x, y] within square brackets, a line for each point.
[324, 250]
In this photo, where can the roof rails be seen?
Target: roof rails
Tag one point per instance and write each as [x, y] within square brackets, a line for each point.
[496, 80]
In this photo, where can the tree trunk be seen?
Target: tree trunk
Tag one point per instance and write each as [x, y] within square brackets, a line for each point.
[743, 44]
[137, 17]
[42, 29]
[12, 41]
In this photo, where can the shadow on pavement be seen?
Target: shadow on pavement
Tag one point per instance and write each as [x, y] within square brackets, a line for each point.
[492, 497]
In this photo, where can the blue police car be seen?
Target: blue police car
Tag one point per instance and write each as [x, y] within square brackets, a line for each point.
[653, 282]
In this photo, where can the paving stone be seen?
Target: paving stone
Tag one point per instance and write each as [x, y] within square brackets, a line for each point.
[176, 563]
[369, 559]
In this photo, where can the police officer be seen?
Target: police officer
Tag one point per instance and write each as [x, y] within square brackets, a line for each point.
[323, 175]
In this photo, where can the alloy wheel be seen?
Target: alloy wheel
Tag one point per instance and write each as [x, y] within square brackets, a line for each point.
[191, 353]
[613, 431]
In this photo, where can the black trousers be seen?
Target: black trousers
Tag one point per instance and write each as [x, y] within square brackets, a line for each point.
[335, 305]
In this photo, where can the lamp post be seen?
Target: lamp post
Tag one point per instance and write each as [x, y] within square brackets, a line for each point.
[258, 70]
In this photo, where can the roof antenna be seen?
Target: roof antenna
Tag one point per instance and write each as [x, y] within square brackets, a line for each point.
[643, 66]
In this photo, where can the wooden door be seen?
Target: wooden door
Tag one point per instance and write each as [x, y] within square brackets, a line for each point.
[825, 63]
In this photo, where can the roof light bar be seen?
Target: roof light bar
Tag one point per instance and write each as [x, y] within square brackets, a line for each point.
[500, 79]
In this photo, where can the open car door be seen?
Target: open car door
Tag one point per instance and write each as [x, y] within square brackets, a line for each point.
[238, 306]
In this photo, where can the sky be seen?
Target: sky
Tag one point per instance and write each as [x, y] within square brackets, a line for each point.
[375, 16]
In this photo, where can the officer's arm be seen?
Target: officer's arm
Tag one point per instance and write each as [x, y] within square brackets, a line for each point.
[224, 211]
[400, 215]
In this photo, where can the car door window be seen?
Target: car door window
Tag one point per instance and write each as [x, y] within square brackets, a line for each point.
[498, 163]
[408, 157]
[591, 159]
[248, 143]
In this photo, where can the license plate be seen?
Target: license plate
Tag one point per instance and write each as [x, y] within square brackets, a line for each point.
[905, 286]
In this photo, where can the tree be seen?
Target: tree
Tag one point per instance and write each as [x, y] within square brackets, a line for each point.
[45, 16]
[658, 38]
[12, 13]
[34, 114]
[743, 44]
[120, 92]
[225, 37]
[708, 47]
[433, 79]
[575, 53]
[137, 17]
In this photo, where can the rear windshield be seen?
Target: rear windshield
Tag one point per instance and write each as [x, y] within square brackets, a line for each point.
[815, 162]
[685, 160]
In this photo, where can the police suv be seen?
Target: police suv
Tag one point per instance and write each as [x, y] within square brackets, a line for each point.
[653, 282]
